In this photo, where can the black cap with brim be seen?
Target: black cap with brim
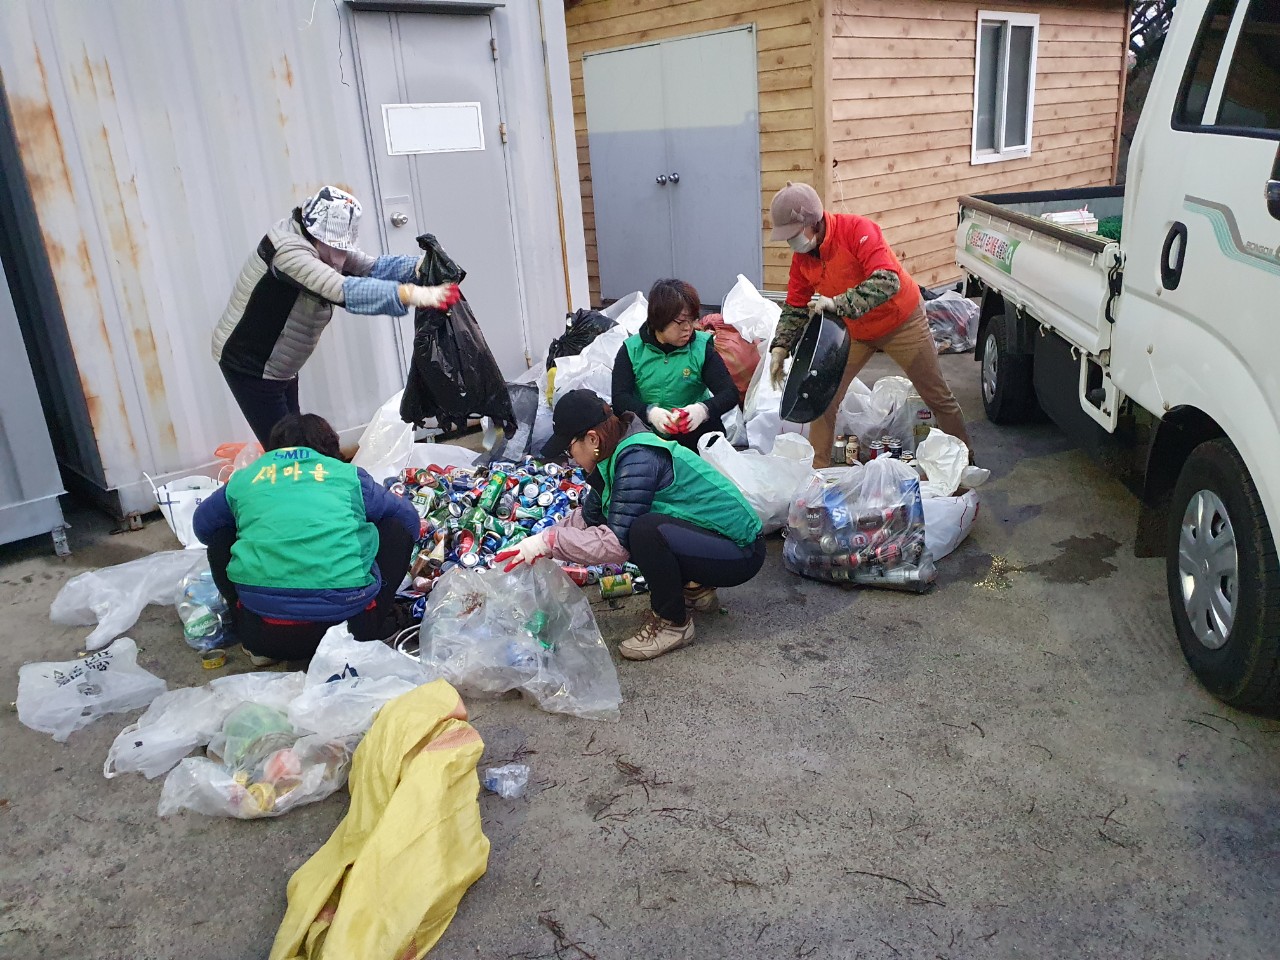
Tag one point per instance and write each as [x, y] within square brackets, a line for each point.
[575, 413]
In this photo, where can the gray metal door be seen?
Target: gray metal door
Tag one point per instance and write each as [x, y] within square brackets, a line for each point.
[713, 147]
[673, 130]
[629, 168]
[431, 91]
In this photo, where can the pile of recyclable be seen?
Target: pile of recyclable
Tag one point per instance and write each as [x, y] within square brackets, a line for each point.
[866, 528]
[470, 514]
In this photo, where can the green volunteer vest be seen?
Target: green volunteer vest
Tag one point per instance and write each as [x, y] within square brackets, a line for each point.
[700, 493]
[669, 380]
[300, 523]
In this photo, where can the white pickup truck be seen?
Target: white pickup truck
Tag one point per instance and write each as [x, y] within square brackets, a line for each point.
[1165, 344]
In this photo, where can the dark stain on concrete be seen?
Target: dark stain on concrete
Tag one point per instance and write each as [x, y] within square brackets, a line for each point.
[1082, 560]
[798, 654]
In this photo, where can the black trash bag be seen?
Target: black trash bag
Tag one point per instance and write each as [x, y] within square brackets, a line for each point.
[517, 444]
[452, 375]
[580, 329]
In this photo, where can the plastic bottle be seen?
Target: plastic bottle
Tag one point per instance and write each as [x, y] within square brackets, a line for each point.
[202, 611]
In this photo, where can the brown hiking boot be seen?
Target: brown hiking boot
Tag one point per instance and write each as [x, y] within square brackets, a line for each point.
[657, 637]
[700, 598]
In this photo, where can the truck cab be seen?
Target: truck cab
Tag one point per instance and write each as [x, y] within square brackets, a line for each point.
[1164, 337]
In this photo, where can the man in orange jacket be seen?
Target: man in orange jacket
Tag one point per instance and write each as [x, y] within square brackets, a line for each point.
[842, 264]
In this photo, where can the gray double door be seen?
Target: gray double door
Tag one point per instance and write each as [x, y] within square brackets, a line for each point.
[673, 134]
[433, 102]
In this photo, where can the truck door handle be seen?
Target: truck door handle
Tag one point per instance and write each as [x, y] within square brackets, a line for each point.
[1170, 271]
[1273, 198]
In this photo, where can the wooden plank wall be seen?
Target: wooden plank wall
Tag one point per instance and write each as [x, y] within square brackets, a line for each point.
[786, 34]
[901, 93]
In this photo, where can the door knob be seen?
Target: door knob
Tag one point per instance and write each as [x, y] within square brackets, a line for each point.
[1173, 256]
[399, 219]
[661, 180]
[675, 177]
[1273, 198]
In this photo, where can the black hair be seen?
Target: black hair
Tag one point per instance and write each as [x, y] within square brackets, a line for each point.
[305, 430]
[667, 300]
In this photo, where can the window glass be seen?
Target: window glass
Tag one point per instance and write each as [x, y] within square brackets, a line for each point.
[990, 49]
[1251, 97]
[1021, 44]
[1204, 62]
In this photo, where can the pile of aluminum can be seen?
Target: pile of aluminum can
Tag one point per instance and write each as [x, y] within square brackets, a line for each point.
[470, 514]
[834, 538]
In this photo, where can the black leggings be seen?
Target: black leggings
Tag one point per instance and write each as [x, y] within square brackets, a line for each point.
[671, 553]
[263, 402]
[298, 641]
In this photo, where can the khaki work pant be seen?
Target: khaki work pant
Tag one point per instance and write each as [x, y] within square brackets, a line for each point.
[912, 348]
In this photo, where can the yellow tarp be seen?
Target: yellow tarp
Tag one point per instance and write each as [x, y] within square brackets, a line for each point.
[388, 882]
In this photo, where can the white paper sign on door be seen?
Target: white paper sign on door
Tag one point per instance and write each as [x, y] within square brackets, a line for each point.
[432, 127]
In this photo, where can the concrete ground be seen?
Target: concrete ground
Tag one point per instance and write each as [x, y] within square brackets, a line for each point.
[1018, 764]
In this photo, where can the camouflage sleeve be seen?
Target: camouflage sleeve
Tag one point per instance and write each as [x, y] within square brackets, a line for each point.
[790, 325]
[878, 288]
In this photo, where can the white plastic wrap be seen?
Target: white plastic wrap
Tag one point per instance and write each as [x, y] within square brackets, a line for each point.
[61, 698]
[113, 597]
[531, 630]
[768, 482]
[592, 369]
[386, 442]
[945, 462]
[880, 412]
[179, 721]
[953, 321]
[508, 781]
[947, 521]
[751, 314]
[178, 500]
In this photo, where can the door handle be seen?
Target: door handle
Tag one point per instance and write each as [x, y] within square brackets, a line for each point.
[1273, 198]
[675, 177]
[399, 219]
[661, 180]
[1171, 271]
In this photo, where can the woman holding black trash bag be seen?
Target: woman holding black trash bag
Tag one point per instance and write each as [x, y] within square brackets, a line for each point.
[284, 298]
[671, 377]
[300, 541]
[676, 517]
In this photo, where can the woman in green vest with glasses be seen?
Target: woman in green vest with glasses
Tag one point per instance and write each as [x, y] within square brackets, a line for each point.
[670, 376]
[677, 518]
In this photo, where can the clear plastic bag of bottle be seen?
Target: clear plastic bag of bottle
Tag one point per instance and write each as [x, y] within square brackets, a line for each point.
[532, 630]
[202, 610]
[509, 781]
[866, 530]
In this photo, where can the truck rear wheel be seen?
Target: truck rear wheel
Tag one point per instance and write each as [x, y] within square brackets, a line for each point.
[1008, 395]
[1224, 579]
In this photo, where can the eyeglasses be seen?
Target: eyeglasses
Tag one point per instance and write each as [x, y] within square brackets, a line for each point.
[684, 320]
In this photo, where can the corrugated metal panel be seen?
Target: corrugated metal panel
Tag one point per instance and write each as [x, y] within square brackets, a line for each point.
[29, 481]
[160, 141]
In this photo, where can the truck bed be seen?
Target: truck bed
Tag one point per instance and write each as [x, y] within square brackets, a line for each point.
[1064, 278]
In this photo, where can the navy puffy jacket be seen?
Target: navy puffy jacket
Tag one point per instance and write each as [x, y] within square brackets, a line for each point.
[638, 474]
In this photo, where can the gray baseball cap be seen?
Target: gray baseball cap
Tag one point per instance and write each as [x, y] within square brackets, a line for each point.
[794, 207]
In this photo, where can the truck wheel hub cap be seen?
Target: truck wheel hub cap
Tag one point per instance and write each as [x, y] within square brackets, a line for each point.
[1207, 567]
[990, 360]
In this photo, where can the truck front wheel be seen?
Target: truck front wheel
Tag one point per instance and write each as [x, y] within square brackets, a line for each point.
[1224, 579]
[1008, 395]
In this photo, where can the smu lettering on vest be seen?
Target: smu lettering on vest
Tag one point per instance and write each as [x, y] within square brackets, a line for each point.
[300, 523]
[699, 493]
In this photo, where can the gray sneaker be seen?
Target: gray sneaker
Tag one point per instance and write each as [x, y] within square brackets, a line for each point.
[656, 637]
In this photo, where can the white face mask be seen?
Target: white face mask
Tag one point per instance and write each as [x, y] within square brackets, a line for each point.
[802, 244]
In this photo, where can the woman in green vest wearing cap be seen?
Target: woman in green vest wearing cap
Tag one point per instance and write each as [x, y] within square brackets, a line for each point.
[671, 377]
[684, 524]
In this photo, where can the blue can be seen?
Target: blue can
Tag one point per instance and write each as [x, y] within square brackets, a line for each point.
[910, 489]
[419, 608]
[546, 523]
[837, 509]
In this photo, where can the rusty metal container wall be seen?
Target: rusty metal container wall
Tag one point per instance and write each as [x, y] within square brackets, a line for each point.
[160, 141]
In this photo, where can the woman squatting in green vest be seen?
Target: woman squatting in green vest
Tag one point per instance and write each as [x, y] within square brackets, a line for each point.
[300, 541]
[656, 504]
[671, 377]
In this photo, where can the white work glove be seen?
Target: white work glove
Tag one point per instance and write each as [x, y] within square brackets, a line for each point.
[820, 305]
[526, 551]
[664, 421]
[778, 356]
[694, 417]
[440, 298]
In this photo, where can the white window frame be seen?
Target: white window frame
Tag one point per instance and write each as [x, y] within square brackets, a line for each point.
[1031, 20]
